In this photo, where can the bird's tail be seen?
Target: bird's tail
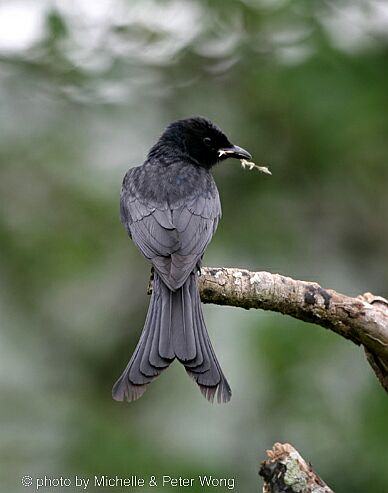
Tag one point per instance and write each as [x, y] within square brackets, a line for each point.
[174, 328]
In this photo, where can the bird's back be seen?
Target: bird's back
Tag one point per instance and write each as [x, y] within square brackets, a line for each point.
[169, 185]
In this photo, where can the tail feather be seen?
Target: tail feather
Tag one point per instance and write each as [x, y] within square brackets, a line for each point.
[208, 375]
[145, 368]
[139, 372]
[174, 328]
[166, 349]
[202, 362]
[183, 325]
[155, 356]
[128, 391]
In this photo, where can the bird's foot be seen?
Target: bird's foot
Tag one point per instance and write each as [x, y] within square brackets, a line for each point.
[151, 282]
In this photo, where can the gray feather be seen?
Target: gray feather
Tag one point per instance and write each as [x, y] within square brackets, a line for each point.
[173, 235]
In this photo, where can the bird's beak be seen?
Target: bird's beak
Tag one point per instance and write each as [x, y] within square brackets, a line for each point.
[234, 151]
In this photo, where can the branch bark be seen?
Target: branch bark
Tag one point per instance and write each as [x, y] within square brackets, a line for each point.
[285, 471]
[363, 320]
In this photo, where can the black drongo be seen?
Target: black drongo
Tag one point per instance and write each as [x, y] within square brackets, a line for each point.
[170, 208]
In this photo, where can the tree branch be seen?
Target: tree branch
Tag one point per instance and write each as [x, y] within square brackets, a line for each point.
[285, 471]
[362, 320]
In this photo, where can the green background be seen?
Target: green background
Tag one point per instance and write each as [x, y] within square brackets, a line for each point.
[85, 90]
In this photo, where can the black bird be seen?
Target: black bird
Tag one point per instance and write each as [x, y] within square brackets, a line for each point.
[170, 208]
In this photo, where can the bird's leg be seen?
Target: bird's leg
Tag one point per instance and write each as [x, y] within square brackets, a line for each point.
[198, 266]
[150, 282]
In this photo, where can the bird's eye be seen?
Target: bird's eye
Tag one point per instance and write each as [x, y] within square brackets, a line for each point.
[207, 141]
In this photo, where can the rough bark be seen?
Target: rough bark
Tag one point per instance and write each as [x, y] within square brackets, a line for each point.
[285, 471]
[363, 320]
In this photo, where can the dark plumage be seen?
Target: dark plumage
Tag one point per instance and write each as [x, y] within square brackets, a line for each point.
[170, 208]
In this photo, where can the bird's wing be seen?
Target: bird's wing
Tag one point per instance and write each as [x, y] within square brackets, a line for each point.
[149, 226]
[195, 221]
[173, 238]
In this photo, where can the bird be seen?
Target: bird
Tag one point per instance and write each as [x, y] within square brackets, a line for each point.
[170, 208]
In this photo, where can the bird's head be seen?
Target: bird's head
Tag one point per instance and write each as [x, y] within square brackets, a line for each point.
[201, 140]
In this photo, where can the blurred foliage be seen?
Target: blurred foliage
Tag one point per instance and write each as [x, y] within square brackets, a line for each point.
[86, 88]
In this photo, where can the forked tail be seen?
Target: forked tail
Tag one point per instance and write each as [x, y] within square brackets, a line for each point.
[174, 328]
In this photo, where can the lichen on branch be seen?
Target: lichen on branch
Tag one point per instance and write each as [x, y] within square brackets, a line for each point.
[285, 471]
[362, 320]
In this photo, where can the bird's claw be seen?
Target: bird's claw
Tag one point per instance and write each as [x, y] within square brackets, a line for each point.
[151, 282]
